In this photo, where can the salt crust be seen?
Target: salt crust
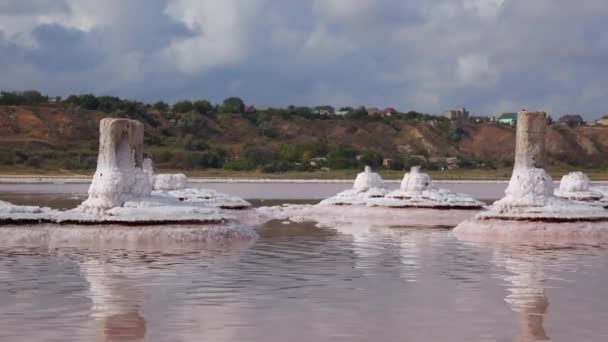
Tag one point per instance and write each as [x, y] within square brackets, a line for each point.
[121, 191]
[169, 182]
[529, 196]
[207, 197]
[575, 186]
[332, 216]
[367, 185]
[149, 238]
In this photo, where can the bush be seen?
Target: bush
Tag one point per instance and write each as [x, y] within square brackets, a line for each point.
[233, 105]
[7, 158]
[342, 157]
[413, 161]
[239, 165]
[258, 155]
[182, 107]
[280, 166]
[396, 164]
[34, 161]
[372, 158]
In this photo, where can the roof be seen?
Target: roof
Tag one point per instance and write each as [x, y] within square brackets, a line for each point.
[511, 116]
[389, 110]
[571, 117]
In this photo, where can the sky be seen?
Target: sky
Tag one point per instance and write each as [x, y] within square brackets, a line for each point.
[490, 56]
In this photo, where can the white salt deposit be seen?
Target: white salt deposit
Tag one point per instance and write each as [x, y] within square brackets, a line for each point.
[368, 180]
[155, 238]
[168, 182]
[10, 213]
[119, 176]
[176, 186]
[575, 186]
[367, 185]
[417, 190]
[121, 191]
[529, 196]
[331, 216]
[207, 197]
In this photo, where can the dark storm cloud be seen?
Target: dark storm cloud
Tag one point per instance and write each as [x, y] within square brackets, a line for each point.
[488, 55]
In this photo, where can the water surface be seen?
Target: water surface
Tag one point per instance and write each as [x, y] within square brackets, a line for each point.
[299, 282]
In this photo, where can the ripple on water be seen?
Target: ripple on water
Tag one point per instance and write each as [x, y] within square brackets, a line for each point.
[300, 282]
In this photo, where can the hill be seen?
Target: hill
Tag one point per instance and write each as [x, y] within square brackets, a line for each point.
[61, 136]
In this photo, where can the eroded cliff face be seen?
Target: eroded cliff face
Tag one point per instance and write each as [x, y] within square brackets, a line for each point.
[61, 128]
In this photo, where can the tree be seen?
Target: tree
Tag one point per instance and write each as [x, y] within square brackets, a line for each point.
[233, 105]
[182, 106]
[342, 157]
[192, 123]
[33, 97]
[358, 113]
[258, 155]
[202, 106]
[161, 106]
[372, 158]
[89, 101]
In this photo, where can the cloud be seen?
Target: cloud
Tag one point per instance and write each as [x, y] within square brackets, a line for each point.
[221, 29]
[488, 55]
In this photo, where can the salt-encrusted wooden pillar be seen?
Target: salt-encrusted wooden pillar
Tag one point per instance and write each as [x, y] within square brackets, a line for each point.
[119, 176]
[530, 185]
[530, 139]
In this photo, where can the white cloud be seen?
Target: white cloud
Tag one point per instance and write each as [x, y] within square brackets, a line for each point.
[221, 32]
[475, 70]
[342, 8]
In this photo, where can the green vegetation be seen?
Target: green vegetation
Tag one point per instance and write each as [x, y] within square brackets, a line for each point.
[195, 136]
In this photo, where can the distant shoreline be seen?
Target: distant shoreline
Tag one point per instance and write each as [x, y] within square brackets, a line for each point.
[44, 179]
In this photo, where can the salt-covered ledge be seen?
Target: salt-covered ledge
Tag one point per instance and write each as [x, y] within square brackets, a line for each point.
[417, 191]
[149, 238]
[367, 185]
[122, 190]
[332, 216]
[530, 210]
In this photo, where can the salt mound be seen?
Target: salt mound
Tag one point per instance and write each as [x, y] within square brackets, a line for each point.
[368, 180]
[207, 197]
[575, 186]
[10, 213]
[121, 191]
[175, 186]
[417, 191]
[167, 182]
[529, 196]
[367, 185]
[119, 176]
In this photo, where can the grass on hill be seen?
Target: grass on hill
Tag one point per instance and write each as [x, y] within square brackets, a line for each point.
[458, 174]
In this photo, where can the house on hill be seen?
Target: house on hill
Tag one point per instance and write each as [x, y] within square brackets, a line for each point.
[374, 111]
[508, 118]
[603, 121]
[456, 114]
[388, 111]
[571, 120]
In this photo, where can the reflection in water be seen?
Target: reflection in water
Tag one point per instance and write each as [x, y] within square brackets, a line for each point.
[527, 297]
[301, 282]
[116, 303]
